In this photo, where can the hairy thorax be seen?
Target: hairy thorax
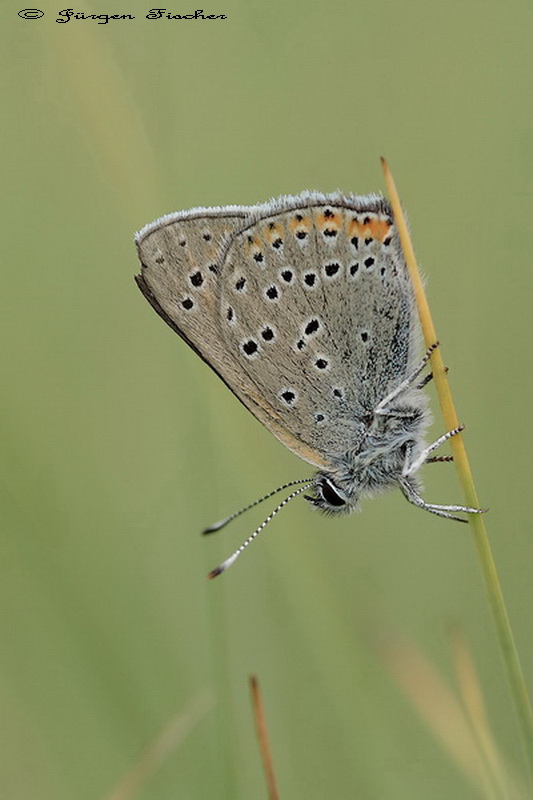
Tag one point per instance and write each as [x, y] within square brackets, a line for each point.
[390, 442]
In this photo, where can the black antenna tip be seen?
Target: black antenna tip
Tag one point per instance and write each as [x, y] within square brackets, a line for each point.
[216, 526]
[215, 572]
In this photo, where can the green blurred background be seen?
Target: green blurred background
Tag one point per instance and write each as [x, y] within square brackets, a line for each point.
[119, 445]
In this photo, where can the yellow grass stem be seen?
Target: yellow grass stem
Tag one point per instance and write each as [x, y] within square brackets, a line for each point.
[501, 618]
[262, 738]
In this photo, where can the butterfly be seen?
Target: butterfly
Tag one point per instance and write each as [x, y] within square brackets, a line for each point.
[304, 308]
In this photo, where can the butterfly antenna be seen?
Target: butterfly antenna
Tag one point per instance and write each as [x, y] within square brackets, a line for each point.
[229, 561]
[221, 523]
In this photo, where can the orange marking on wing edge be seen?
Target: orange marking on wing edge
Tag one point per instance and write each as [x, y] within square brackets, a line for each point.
[379, 228]
[252, 246]
[322, 221]
[356, 228]
[271, 234]
[303, 224]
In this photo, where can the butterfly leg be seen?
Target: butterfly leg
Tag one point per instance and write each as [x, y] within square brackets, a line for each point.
[428, 379]
[413, 497]
[381, 408]
[422, 458]
[430, 460]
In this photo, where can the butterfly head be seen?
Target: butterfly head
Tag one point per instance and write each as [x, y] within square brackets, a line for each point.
[332, 497]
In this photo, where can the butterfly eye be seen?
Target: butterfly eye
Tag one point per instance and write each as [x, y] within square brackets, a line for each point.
[331, 495]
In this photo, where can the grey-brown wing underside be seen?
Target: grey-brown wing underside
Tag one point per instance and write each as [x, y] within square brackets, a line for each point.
[302, 306]
[180, 259]
[317, 310]
[181, 264]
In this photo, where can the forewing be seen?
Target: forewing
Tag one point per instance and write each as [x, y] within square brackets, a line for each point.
[181, 259]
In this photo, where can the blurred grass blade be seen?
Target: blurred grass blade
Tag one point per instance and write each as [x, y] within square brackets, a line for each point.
[101, 99]
[135, 780]
[474, 705]
[262, 737]
[440, 709]
[477, 522]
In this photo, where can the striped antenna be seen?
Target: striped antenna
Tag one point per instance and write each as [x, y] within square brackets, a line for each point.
[229, 561]
[221, 523]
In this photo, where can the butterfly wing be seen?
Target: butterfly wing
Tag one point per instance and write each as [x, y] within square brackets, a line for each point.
[317, 310]
[180, 258]
[302, 306]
